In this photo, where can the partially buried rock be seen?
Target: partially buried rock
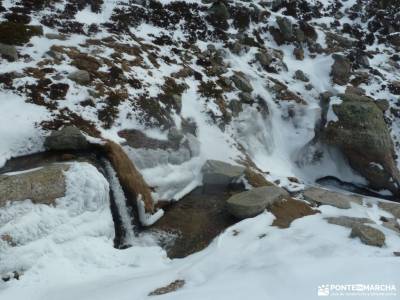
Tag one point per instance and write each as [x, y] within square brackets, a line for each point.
[42, 185]
[368, 235]
[391, 207]
[346, 221]
[323, 196]
[68, 138]
[251, 203]
[80, 76]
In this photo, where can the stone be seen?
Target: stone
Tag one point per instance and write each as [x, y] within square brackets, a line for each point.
[80, 76]
[218, 15]
[264, 58]
[390, 207]
[68, 138]
[55, 36]
[362, 134]
[382, 104]
[391, 224]
[253, 202]
[394, 39]
[368, 235]
[341, 69]
[298, 53]
[9, 52]
[299, 74]
[172, 287]
[43, 185]
[285, 27]
[242, 83]
[289, 210]
[327, 197]
[346, 221]
[220, 173]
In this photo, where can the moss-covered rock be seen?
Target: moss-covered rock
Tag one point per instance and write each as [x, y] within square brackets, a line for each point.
[17, 33]
[363, 136]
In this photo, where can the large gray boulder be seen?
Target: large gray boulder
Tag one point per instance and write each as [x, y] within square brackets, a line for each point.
[68, 138]
[361, 133]
[220, 173]
[42, 185]
[251, 203]
[323, 196]
[368, 235]
[80, 76]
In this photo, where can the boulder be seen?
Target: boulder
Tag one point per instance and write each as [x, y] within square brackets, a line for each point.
[68, 138]
[242, 83]
[218, 15]
[361, 133]
[394, 87]
[299, 75]
[220, 173]
[253, 202]
[8, 52]
[341, 69]
[323, 196]
[346, 221]
[80, 76]
[368, 235]
[42, 185]
[264, 58]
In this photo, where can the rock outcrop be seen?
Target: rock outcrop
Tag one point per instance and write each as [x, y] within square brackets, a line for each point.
[42, 185]
[361, 133]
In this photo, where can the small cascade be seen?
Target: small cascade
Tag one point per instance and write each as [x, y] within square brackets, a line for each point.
[127, 231]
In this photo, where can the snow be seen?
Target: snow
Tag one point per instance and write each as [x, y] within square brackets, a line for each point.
[263, 262]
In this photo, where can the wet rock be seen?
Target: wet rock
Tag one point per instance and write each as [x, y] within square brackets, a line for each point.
[323, 196]
[42, 185]
[349, 222]
[242, 83]
[299, 74]
[361, 133]
[368, 235]
[220, 173]
[8, 52]
[80, 76]
[68, 138]
[17, 33]
[341, 69]
[190, 224]
[251, 203]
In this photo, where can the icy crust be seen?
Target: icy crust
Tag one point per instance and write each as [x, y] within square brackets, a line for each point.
[71, 228]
